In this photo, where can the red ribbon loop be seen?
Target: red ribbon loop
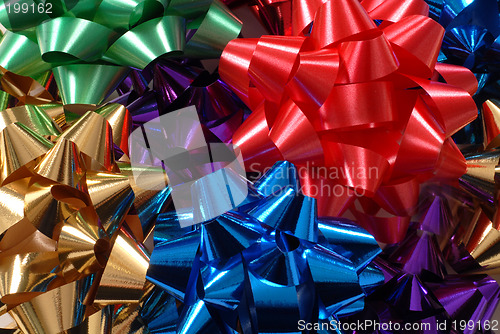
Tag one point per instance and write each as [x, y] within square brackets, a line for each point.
[263, 72]
[394, 10]
[363, 105]
[357, 59]
[350, 21]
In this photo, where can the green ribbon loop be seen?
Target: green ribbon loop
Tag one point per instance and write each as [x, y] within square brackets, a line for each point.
[122, 15]
[91, 44]
[188, 9]
[69, 39]
[217, 28]
[87, 83]
[11, 46]
[143, 44]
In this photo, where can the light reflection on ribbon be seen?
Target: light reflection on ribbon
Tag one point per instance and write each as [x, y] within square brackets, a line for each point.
[368, 103]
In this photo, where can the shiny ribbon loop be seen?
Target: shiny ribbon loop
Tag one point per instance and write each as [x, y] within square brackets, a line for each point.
[353, 114]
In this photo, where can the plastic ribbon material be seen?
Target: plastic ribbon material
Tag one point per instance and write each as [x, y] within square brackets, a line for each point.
[91, 47]
[352, 105]
[491, 124]
[480, 181]
[165, 87]
[19, 90]
[472, 31]
[179, 84]
[275, 15]
[471, 38]
[435, 307]
[418, 289]
[476, 242]
[70, 217]
[261, 267]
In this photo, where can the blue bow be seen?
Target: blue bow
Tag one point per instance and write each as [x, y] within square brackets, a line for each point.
[260, 268]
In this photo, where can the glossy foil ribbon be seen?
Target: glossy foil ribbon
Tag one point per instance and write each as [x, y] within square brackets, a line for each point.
[471, 38]
[476, 238]
[70, 218]
[261, 267]
[91, 47]
[472, 31]
[170, 85]
[476, 242]
[359, 104]
[275, 15]
[418, 285]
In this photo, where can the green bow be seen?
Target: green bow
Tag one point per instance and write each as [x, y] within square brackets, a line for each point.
[91, 45]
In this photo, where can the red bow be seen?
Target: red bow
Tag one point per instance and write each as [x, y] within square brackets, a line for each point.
[355, 106]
